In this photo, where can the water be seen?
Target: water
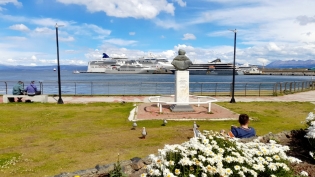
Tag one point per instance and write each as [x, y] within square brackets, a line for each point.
[44, 76]
[97, 83]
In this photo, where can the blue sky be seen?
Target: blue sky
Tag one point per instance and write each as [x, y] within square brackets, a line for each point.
[266, 30]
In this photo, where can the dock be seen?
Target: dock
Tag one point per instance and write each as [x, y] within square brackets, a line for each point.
[288, 72]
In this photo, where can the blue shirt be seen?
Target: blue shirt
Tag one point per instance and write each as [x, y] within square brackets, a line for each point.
[31, 89]
[240, 132]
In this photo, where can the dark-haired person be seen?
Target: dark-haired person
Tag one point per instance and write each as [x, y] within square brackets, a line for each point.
[243, 131]
[18, 90]
[31, 89]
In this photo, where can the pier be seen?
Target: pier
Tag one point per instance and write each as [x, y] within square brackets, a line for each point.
[288, 72]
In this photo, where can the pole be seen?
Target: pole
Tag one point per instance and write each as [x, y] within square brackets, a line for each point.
[233, 81]
[59, 82]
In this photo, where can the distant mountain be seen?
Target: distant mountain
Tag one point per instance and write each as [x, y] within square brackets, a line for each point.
[291, 64]
[38, 68]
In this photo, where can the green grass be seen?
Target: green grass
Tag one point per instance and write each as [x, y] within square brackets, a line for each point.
[47, 139]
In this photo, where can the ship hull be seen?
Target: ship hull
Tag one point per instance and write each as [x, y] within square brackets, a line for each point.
[214, 72]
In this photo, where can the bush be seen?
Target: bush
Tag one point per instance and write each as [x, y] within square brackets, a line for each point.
[212, 154]
[310, 135]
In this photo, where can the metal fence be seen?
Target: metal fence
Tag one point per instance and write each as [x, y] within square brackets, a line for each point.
[166, 88]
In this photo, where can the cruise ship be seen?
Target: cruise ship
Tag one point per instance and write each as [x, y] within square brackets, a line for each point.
[118, 65]
[162, 65]
[249, 69]
[215, 67]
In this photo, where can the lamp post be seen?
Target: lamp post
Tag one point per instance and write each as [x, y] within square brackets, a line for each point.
[59, 83]
[233, 81]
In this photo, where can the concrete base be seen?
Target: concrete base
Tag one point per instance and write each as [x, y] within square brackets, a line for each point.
[181, 108]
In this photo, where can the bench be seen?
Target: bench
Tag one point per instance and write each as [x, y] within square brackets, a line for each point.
[169, 100]
[37, 98]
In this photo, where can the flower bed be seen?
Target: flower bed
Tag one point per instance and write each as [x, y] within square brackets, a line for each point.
[212, 154]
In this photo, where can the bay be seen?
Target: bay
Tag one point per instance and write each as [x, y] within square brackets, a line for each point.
[98, 83]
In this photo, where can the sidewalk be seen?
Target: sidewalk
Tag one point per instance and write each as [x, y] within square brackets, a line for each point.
[302, 96]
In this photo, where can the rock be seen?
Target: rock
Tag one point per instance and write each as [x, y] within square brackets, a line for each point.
[137, 163]
[104, 169]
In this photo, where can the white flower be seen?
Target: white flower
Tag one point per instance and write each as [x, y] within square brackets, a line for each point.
[310, 117]
[157, 173]
[228, 171]
[143, 175]
[311, 154]
[276, 157]
[203, 175]
[304, 173]
[228, 159]
[272, 167]
[241, 174]
[237, 167]
[177, 172]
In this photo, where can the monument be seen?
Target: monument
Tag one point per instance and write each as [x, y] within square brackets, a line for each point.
[181, 64]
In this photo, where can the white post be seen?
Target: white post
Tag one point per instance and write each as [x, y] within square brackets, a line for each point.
[160, 108]
[209, 107]
[198, 101]
[158, 104]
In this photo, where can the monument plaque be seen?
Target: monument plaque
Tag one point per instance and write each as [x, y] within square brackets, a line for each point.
[182, 86]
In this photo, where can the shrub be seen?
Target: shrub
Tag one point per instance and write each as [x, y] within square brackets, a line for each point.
[212, 154]
[310, 135]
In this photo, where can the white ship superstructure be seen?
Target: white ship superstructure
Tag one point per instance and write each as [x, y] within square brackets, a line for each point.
[162, 65]
[118, 65]
[215, 67]
[250, 69]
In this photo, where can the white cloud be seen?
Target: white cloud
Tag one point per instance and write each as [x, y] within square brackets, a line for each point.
[44, 30]
[132, 33]
[97, 29]
[68, 39]
[181, 3]
[273, 47]
[304, 20]
[167, 24]
[189, 36]
[262, 61]
[120, 42]
[126, 8]
[15, 2]
[19, 27]
[15, 38]
[34, 57]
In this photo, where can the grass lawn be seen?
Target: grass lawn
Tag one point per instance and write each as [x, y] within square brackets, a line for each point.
[47, 139]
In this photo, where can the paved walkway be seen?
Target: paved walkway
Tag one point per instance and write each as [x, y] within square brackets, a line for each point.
[302, 96]
[147, 110]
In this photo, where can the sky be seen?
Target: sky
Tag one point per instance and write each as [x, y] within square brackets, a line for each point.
[265, 30]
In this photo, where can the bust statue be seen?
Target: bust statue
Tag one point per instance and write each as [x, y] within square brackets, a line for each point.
[181, 62]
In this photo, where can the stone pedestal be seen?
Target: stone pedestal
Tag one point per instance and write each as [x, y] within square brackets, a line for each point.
[182, 92]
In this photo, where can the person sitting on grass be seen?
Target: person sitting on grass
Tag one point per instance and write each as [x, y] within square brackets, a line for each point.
[243, 131]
